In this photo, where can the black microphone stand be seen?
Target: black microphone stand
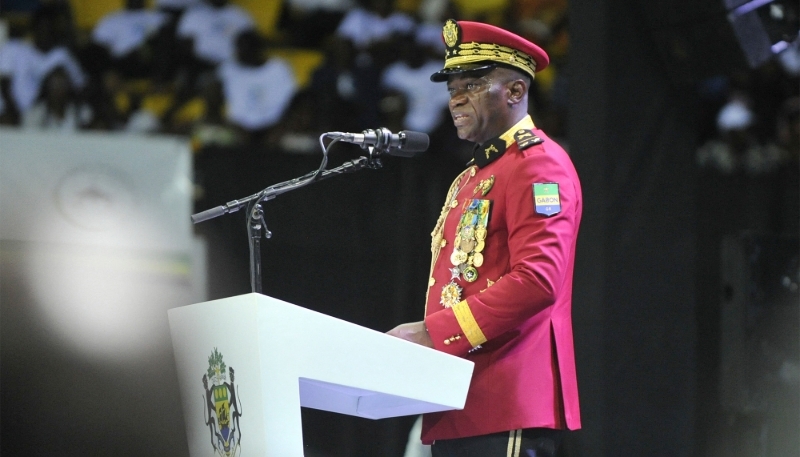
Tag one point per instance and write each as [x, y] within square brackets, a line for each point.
[255, 214]
[254, 224]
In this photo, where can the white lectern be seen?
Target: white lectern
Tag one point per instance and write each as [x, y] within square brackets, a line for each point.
[247, 364]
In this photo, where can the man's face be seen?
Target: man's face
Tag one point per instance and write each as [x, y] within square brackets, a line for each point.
[479, 105]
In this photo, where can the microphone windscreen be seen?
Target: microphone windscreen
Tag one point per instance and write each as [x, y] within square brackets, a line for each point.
[415, 143]
[208, 214]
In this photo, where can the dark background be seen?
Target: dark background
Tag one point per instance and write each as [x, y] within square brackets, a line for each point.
[649, 288]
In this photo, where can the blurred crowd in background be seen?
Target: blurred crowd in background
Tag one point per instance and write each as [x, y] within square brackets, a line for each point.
[246, 72]
[749, 146]
[276, 74]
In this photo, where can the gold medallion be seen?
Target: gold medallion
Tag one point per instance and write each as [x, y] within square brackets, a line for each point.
[467, 245]
[470, 274]
[479, 247]
[461, 257]
[480, 233]
[477, 259]
[454, 257]
[451, 295]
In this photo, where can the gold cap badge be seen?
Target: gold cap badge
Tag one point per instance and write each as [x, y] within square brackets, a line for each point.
[450, 33]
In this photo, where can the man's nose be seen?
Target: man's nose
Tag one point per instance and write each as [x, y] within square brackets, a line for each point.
[457, 98]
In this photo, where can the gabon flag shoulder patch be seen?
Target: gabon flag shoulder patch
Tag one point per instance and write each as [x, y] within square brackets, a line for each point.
[546, 199]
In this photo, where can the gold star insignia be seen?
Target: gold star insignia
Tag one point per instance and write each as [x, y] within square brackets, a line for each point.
[489, 283]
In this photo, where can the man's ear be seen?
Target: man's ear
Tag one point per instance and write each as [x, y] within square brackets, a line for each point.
[516, 91]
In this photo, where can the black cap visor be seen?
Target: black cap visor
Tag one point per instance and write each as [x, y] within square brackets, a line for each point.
[442, 75]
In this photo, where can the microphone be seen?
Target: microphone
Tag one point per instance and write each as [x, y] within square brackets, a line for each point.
[403, 144]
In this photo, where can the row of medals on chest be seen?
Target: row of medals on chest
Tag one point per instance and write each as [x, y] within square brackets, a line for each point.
[468, 247]
[467, 252]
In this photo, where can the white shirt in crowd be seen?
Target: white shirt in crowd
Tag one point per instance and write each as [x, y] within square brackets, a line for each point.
[214, 30]
[364, 27]
[125, 30]
[257, 97]
[426, 99]
[27, 66]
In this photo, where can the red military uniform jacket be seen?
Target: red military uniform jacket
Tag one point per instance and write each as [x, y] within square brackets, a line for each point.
[500, 290]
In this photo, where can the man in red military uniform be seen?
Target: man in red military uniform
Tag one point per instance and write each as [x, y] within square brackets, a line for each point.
[500, 287]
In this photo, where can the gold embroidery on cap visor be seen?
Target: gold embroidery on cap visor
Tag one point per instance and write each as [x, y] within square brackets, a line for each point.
[467, 53]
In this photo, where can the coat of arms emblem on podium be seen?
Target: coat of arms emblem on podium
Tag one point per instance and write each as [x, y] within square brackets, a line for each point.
[222, 407]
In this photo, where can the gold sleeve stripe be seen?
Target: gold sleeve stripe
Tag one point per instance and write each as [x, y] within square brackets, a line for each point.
[468, 324]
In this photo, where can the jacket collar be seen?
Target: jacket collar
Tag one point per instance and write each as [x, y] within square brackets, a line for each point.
[491, 150]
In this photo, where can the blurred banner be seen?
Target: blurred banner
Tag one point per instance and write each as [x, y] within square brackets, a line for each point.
[95, 246]
[95, 189]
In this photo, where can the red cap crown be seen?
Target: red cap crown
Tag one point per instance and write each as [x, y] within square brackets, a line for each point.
[474, 45]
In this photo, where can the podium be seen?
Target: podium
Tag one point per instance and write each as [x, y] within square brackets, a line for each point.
[246, 365]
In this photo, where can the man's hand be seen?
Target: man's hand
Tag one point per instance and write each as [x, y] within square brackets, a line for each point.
[414, 332]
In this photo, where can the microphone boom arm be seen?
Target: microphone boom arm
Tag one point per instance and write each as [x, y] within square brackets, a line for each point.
[273, 191]
[255, 216]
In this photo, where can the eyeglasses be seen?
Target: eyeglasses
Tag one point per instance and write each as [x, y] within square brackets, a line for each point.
[469, 86]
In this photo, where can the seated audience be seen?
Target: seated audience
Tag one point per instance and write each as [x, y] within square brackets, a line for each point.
[205, 37]
[308, 22]
[211, 27]
[128, 37]
[376, 22]
[58, 107]
[426, 101]
[372, 31]
[257, 90]
[737, 149]
[203, 117]
[333, 85]
[24, 65]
